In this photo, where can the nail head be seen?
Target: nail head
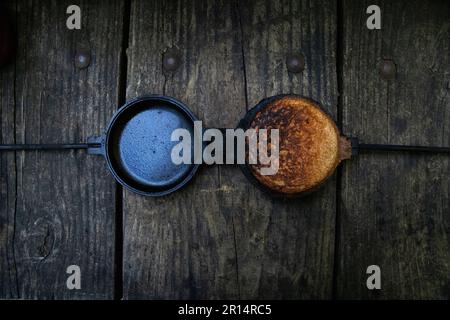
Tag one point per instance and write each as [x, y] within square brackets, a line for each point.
[171, 60]
[388, 69]
[82, 59]
[295, 63]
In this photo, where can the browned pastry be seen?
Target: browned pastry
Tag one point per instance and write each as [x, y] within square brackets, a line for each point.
[309, 144]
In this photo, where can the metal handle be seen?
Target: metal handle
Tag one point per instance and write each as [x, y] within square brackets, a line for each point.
[21, 147]
[357, 147]
[94, 145]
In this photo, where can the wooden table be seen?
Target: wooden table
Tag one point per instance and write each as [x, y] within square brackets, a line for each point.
[220, 237]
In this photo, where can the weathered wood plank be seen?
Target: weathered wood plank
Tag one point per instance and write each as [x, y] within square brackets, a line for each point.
[181, 246]
[8, 272]
[285, 248]
[395, 210]
[160, 232]
[57, 208]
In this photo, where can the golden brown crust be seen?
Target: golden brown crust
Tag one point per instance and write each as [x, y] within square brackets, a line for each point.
[309, 144]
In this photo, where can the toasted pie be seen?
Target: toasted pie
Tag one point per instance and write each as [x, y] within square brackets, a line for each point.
[310, 146]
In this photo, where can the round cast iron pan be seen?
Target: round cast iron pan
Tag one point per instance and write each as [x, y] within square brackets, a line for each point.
[137, 145]
[245, 168]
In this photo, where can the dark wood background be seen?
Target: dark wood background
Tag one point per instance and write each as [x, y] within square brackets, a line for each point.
[220, 237]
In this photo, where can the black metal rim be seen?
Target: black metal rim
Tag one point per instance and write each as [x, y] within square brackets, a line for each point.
[245, 168]
[110, 127]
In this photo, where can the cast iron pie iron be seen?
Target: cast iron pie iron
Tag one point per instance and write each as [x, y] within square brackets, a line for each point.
[137, 145]
[310, 145]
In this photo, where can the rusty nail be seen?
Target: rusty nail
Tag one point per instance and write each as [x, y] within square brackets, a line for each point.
[82, 59]
[388, 69]
[171, 60]
[295, 63]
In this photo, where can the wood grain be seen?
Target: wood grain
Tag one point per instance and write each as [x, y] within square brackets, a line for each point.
[8, 268]
[182, 246]
[220, 220]
[285, 247]
[57, 208]
[395, 207]
[220, 237]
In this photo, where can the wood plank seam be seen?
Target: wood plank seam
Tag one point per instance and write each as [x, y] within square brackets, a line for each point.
[339, 76]
[15, 171]
[122, 91]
